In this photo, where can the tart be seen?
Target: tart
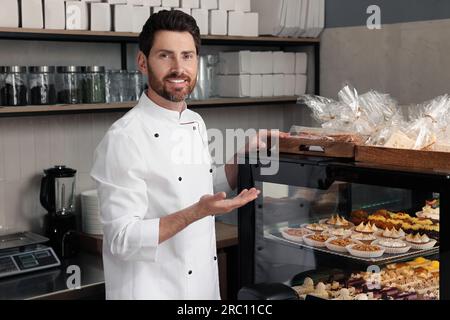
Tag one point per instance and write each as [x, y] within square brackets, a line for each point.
[364, 238]
[420, 242]
[392, 245]
[316, 240]
[365, 250]
[341, 232]
[339, 244]
[316, 227]
[294, 234]
[338, 221]
[366, 228]
[392, 233]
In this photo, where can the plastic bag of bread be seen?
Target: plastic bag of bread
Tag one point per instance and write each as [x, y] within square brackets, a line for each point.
[365, 114]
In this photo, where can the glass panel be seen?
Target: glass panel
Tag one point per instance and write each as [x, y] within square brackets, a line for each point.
[375, 242]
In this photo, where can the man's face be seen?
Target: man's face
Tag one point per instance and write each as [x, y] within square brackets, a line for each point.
[172, 65]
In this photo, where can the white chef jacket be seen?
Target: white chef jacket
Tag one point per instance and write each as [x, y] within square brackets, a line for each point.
[143, 173]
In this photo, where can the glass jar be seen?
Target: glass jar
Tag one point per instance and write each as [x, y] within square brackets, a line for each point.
[94, 85]
[15, 91]
[2, 86]
[136, 85]
[117, 86]
[42, 85]
[69, 84]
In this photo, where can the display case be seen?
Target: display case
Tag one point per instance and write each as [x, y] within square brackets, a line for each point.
[332, 228]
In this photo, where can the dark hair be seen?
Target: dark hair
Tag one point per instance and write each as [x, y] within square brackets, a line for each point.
[174, 20]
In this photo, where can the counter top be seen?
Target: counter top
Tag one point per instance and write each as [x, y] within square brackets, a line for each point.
[52, 283]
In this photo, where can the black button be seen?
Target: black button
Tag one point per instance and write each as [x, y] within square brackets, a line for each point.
[190, 272]
[215, 258]
[194, 128]
[210, 170]
[180, 178]
[156, 135]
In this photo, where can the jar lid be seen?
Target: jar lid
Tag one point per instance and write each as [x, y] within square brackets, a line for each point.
[67, 69]
[60, 171]
[95, 69]
[16, 69]
[41, 69]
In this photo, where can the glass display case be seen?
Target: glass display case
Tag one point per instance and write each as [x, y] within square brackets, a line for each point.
[335, 229]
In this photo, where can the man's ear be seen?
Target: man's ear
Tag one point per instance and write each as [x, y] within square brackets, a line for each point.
[141, 60]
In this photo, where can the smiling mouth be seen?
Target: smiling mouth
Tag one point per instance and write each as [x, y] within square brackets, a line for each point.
[177, 81]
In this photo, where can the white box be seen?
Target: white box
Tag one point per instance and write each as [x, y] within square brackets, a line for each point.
[32, 14]
[77, 17]
[278, 85]
[283, 62]
[218, 22]
[201, 16]
[256, 85]
[234, 86]
[192, 4]
[236, 23]
[250, 24]
[101, 17]
[209, 4]
[158, 9]
[151, 3]
[55, 14]
[289, 84]
[242, 5]
[9, 15]
[300, 84]
[235, 62]
[267, 85]
[301, 62]
[140, 17]
[122, 18]
[261, 62]
[170, 3]
[227, 5]
[185, 10]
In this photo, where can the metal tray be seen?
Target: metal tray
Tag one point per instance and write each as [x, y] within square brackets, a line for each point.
[20, 239]
[384, 259]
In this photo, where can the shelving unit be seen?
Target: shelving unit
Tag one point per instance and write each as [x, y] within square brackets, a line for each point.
[124, 38]
[121, 107]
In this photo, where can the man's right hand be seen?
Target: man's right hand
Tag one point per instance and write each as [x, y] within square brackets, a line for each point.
[218, 204]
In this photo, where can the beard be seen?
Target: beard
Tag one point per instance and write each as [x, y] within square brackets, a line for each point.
[176, 94]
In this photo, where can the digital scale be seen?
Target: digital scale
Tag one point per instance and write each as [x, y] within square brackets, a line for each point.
[24, 252]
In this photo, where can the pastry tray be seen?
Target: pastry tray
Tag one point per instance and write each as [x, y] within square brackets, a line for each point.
[384, 259]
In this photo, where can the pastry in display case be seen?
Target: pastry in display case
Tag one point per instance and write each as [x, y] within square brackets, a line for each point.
[333, 229]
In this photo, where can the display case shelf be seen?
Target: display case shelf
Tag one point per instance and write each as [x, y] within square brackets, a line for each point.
[122, 107]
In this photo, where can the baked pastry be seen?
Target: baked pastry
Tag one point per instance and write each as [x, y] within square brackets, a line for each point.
[417, 238]
[337, 221]
[316, 227]
[366, 228]
[363, 237]
[341, 232]
[341, 242]
[297, 232]
[366, 247]
[393, 233]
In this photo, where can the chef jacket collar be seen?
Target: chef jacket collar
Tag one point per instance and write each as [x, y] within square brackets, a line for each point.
[155, 111]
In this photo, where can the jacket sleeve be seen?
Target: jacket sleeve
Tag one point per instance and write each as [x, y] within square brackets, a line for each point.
[119, 171]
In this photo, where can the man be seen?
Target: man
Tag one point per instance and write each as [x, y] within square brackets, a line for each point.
[158, 209]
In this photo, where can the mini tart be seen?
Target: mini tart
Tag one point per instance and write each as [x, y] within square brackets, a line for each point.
[341, 232]
[364, 238]
[392, 246]
[316, 227]
[420, 242]
[339, 244]
[294, 234]
[365, 250]
[366, 228]
[316, 240]
[392, 233]
[338, 221]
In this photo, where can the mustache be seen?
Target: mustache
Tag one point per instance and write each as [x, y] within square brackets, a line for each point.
[178, 76]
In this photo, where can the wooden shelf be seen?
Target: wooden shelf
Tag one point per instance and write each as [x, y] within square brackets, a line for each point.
[96, 36]
[123, 107]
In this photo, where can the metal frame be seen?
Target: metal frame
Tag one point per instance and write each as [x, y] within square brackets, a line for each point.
[328, 171]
